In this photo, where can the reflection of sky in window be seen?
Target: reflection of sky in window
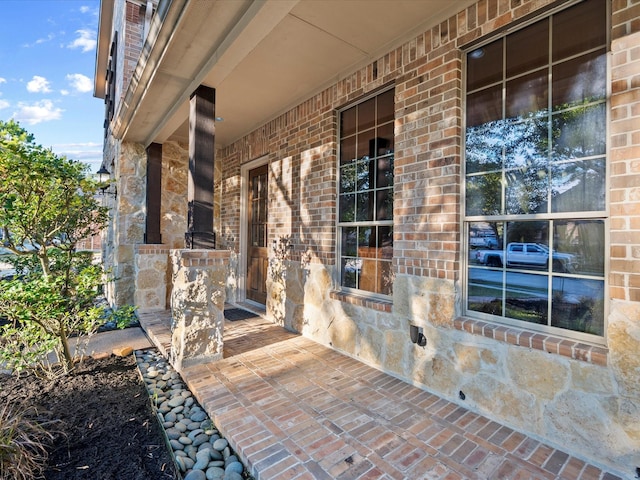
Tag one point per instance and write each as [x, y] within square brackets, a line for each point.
[579, 80]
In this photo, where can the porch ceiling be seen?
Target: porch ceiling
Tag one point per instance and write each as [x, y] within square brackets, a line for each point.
[261, 57]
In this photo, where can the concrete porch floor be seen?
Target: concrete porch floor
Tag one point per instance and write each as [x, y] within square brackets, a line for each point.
[294, 409]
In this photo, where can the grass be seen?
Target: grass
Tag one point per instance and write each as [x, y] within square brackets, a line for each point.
[23, 453]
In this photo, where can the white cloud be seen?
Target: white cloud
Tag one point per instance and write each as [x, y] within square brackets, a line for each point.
[49, 37]
[79, 150]
[80, 83]
[4, 104]
[38, 84]
[86, 40]
[89, 153]
[42, 111]
[3, 80]
[39, 41]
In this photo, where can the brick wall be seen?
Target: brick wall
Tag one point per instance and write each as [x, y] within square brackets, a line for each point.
[538, 383]
[301, 147]
[427, 73]
[624, 162]
[132, 38]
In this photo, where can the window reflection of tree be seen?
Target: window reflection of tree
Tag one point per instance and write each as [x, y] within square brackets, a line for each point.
[533, 174]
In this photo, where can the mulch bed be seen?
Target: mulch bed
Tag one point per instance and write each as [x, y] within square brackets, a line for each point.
[103, 424]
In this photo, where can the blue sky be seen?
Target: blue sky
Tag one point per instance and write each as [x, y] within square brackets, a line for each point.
[47, 64]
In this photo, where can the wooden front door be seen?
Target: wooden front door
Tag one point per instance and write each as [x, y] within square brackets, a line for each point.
[257, 254]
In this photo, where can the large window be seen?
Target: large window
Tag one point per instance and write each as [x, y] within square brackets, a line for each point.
[365, 220]
[535, 174]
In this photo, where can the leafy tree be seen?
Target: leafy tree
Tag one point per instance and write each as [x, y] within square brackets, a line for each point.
[47, 205]
[45, 200]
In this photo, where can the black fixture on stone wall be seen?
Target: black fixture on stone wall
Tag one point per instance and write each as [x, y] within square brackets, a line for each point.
[417, 335]
[104, 179]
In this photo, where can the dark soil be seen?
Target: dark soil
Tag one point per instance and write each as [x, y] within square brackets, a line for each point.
[103, 425]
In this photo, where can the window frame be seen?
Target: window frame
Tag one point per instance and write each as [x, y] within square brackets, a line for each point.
[374, 223]
[549, 217]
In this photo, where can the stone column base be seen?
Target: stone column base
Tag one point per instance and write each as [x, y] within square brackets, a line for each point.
[197, 306]
[151, 275]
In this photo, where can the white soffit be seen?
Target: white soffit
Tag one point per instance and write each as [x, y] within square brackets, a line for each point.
[276, 55]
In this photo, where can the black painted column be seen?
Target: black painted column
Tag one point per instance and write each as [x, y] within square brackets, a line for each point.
[154, 193]
[201, 161]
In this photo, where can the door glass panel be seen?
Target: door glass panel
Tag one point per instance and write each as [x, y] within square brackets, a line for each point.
[259, 210]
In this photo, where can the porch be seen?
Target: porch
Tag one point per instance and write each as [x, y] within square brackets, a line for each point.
[294, 409]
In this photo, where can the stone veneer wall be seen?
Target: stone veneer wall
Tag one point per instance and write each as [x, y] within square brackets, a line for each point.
[581, 397]
[173, 214]
[126, 228]
[127, 164]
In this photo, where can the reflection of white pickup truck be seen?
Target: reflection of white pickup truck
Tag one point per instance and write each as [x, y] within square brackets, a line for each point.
[528, 255]
[483, 240]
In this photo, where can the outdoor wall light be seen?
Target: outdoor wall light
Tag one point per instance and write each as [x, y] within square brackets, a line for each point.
[417, 335]
[104, 178]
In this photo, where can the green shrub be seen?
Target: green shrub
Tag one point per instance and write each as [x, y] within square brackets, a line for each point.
[47, 205]
[123, 316]
[42, 313]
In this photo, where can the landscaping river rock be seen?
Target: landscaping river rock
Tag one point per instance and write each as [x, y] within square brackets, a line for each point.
[199, 450]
